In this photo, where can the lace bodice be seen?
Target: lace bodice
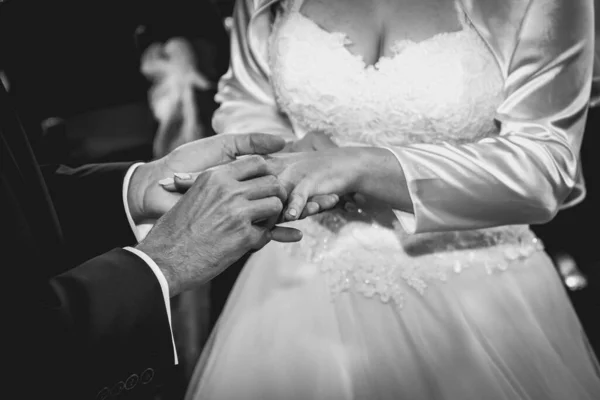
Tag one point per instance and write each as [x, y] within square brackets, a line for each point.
[444, 89]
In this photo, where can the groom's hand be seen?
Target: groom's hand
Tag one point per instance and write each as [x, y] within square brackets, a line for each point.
[147, 199]
[216, 222]
[316, 204]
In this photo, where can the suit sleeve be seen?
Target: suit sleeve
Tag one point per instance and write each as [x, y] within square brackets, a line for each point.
[104, 326]
[89, 203]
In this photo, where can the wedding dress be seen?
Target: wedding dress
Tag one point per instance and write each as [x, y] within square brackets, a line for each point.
[359, 309]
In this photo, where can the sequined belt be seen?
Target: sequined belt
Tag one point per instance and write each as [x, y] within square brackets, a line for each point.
[375, 257]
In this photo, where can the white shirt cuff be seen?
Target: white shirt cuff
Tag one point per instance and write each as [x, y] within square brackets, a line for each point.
[140, 232]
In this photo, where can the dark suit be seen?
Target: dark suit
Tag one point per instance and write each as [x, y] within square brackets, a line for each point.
[78, 329]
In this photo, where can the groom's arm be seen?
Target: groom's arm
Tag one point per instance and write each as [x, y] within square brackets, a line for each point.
[89, 203]
[104, 327]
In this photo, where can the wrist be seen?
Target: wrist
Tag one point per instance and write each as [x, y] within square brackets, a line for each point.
[361, 161]
[136, 192]
[160, 256]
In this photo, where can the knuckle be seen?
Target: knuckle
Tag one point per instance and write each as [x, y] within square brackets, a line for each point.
[236, 190]
[213, 175]
[241, 218]
[246, 228]
[272, 180]
[276, 205]
[257, 161]
[295, 198]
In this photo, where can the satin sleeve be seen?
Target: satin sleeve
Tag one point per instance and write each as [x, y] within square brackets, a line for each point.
[245, 95]
[595, 98]
[531, 169]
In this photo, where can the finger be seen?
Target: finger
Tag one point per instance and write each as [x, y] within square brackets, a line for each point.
[285, 235]
[311, 208]
[259, 237]
[264, 186]
[296, 203]
[288, 148]
[181, 182]
[319, 204]
[168, 203]
[248, 168]
[168, 184]
[263, 209]
[325, 202]
[254, 143]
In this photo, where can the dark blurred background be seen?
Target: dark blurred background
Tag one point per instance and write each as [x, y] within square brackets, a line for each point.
[74, 68]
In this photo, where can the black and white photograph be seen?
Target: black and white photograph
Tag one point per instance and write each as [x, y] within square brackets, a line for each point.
[300, 199]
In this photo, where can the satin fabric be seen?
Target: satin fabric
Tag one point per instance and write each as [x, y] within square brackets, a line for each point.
[595, 97]
[545, 50]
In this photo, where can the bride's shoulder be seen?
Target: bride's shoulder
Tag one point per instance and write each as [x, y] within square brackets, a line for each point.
[515, 12]
[508, 22]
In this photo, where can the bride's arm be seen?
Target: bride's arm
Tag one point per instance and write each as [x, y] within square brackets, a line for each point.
[246, 98]
[528, 172]
[522, 176]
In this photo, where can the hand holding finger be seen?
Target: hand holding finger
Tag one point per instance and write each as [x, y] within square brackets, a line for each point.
[264, 186]
[325, 202]
[319, 204]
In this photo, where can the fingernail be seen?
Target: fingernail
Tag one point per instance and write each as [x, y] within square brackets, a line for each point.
[166, 182]
[292, 212]
[182, 175]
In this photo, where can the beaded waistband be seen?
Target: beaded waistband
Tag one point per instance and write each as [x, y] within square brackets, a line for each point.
[374, 256]
[337, 222]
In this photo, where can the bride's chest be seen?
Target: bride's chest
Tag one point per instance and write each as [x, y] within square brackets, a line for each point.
[434, 89]
[374, 26]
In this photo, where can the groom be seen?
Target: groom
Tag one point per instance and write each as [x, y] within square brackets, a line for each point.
[87, 318]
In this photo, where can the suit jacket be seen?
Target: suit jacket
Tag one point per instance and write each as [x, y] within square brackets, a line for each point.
[87, 319]
[545, 52]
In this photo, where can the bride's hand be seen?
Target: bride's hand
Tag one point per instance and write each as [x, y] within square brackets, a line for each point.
[312, 141]
[306, 175]
[181, 182]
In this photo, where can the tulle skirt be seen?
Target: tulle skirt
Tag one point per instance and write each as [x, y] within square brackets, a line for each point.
[509, 335]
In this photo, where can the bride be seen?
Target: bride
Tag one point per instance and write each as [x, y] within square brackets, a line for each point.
[457, 123]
